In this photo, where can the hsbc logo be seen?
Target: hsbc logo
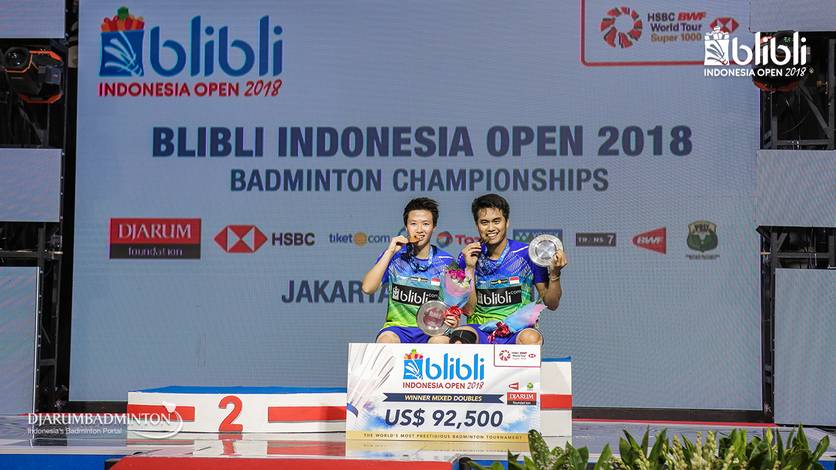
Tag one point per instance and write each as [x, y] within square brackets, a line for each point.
[240, 238]
[654, 240]
[725, 23]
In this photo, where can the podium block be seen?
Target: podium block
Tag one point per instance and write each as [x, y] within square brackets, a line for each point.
[236, 409]
[556, 399]
[439, 392]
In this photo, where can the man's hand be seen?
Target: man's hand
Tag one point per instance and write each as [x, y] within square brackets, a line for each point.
[396, 243]
[471, 254]
[558, 262]
[451, 321]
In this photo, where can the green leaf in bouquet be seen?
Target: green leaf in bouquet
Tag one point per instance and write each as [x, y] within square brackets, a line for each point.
[738, 444]
[757, 459]
[688, 448]
[633, 444]
[472, 464]
[630, 450]
[791, 441]
[539, 449]
[645, 440]
[780, 451]
[821, 448]
[657, 453]
[801, 438]
[624, 449]
[583, 452]
[603, 462]
[798, 461]
[513, 463]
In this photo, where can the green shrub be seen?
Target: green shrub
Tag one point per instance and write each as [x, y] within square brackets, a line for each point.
[733, 452]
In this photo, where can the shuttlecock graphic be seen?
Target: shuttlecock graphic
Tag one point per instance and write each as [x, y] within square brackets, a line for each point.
[369, 367]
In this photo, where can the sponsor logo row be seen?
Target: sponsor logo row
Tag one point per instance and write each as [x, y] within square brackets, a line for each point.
[168, 238]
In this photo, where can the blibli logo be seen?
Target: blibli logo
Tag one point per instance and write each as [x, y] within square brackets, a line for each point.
[420, 367]
[122, 38]
[412, 295]
[499, 297]
[208, 48]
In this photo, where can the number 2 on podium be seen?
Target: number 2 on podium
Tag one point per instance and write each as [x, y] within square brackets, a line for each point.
[227, 424]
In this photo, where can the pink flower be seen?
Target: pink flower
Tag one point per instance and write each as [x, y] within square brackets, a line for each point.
[456, 274]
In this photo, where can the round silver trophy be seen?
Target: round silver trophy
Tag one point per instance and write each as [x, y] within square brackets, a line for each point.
[542, 248]
[431, 316]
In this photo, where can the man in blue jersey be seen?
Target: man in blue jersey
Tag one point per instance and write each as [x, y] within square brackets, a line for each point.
[413, 270]
[506, 278]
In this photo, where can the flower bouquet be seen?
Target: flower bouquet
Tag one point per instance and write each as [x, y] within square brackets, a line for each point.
[525, 317]
[456, 287]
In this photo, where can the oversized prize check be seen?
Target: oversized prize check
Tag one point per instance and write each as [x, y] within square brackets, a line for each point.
[443, 392]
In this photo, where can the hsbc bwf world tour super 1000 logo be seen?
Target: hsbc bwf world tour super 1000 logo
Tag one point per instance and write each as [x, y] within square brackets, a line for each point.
[186, 59]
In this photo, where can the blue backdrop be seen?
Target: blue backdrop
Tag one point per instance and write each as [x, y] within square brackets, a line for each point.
[589, 120]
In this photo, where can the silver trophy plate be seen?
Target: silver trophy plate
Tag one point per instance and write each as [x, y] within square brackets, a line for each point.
[542, 248]
[431, 316]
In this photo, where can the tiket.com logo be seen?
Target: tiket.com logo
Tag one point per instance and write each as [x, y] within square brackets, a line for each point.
[358, 238]
[621, 27]
[240, 238]
[654, 240]
[154, 238]
[420, 367]
[208, 47]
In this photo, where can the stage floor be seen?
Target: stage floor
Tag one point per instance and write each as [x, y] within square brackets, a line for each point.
[23, 445]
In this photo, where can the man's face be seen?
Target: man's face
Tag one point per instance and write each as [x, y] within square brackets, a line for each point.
[419, 226]
[492, 226]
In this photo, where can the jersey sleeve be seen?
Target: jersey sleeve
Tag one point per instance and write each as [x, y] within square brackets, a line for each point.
[540, 273]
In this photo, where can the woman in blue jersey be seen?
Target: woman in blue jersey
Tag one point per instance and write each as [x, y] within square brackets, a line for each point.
[413, 269]
[505, 277]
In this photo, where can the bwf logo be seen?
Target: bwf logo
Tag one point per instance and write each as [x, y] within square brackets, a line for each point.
[721, 51]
